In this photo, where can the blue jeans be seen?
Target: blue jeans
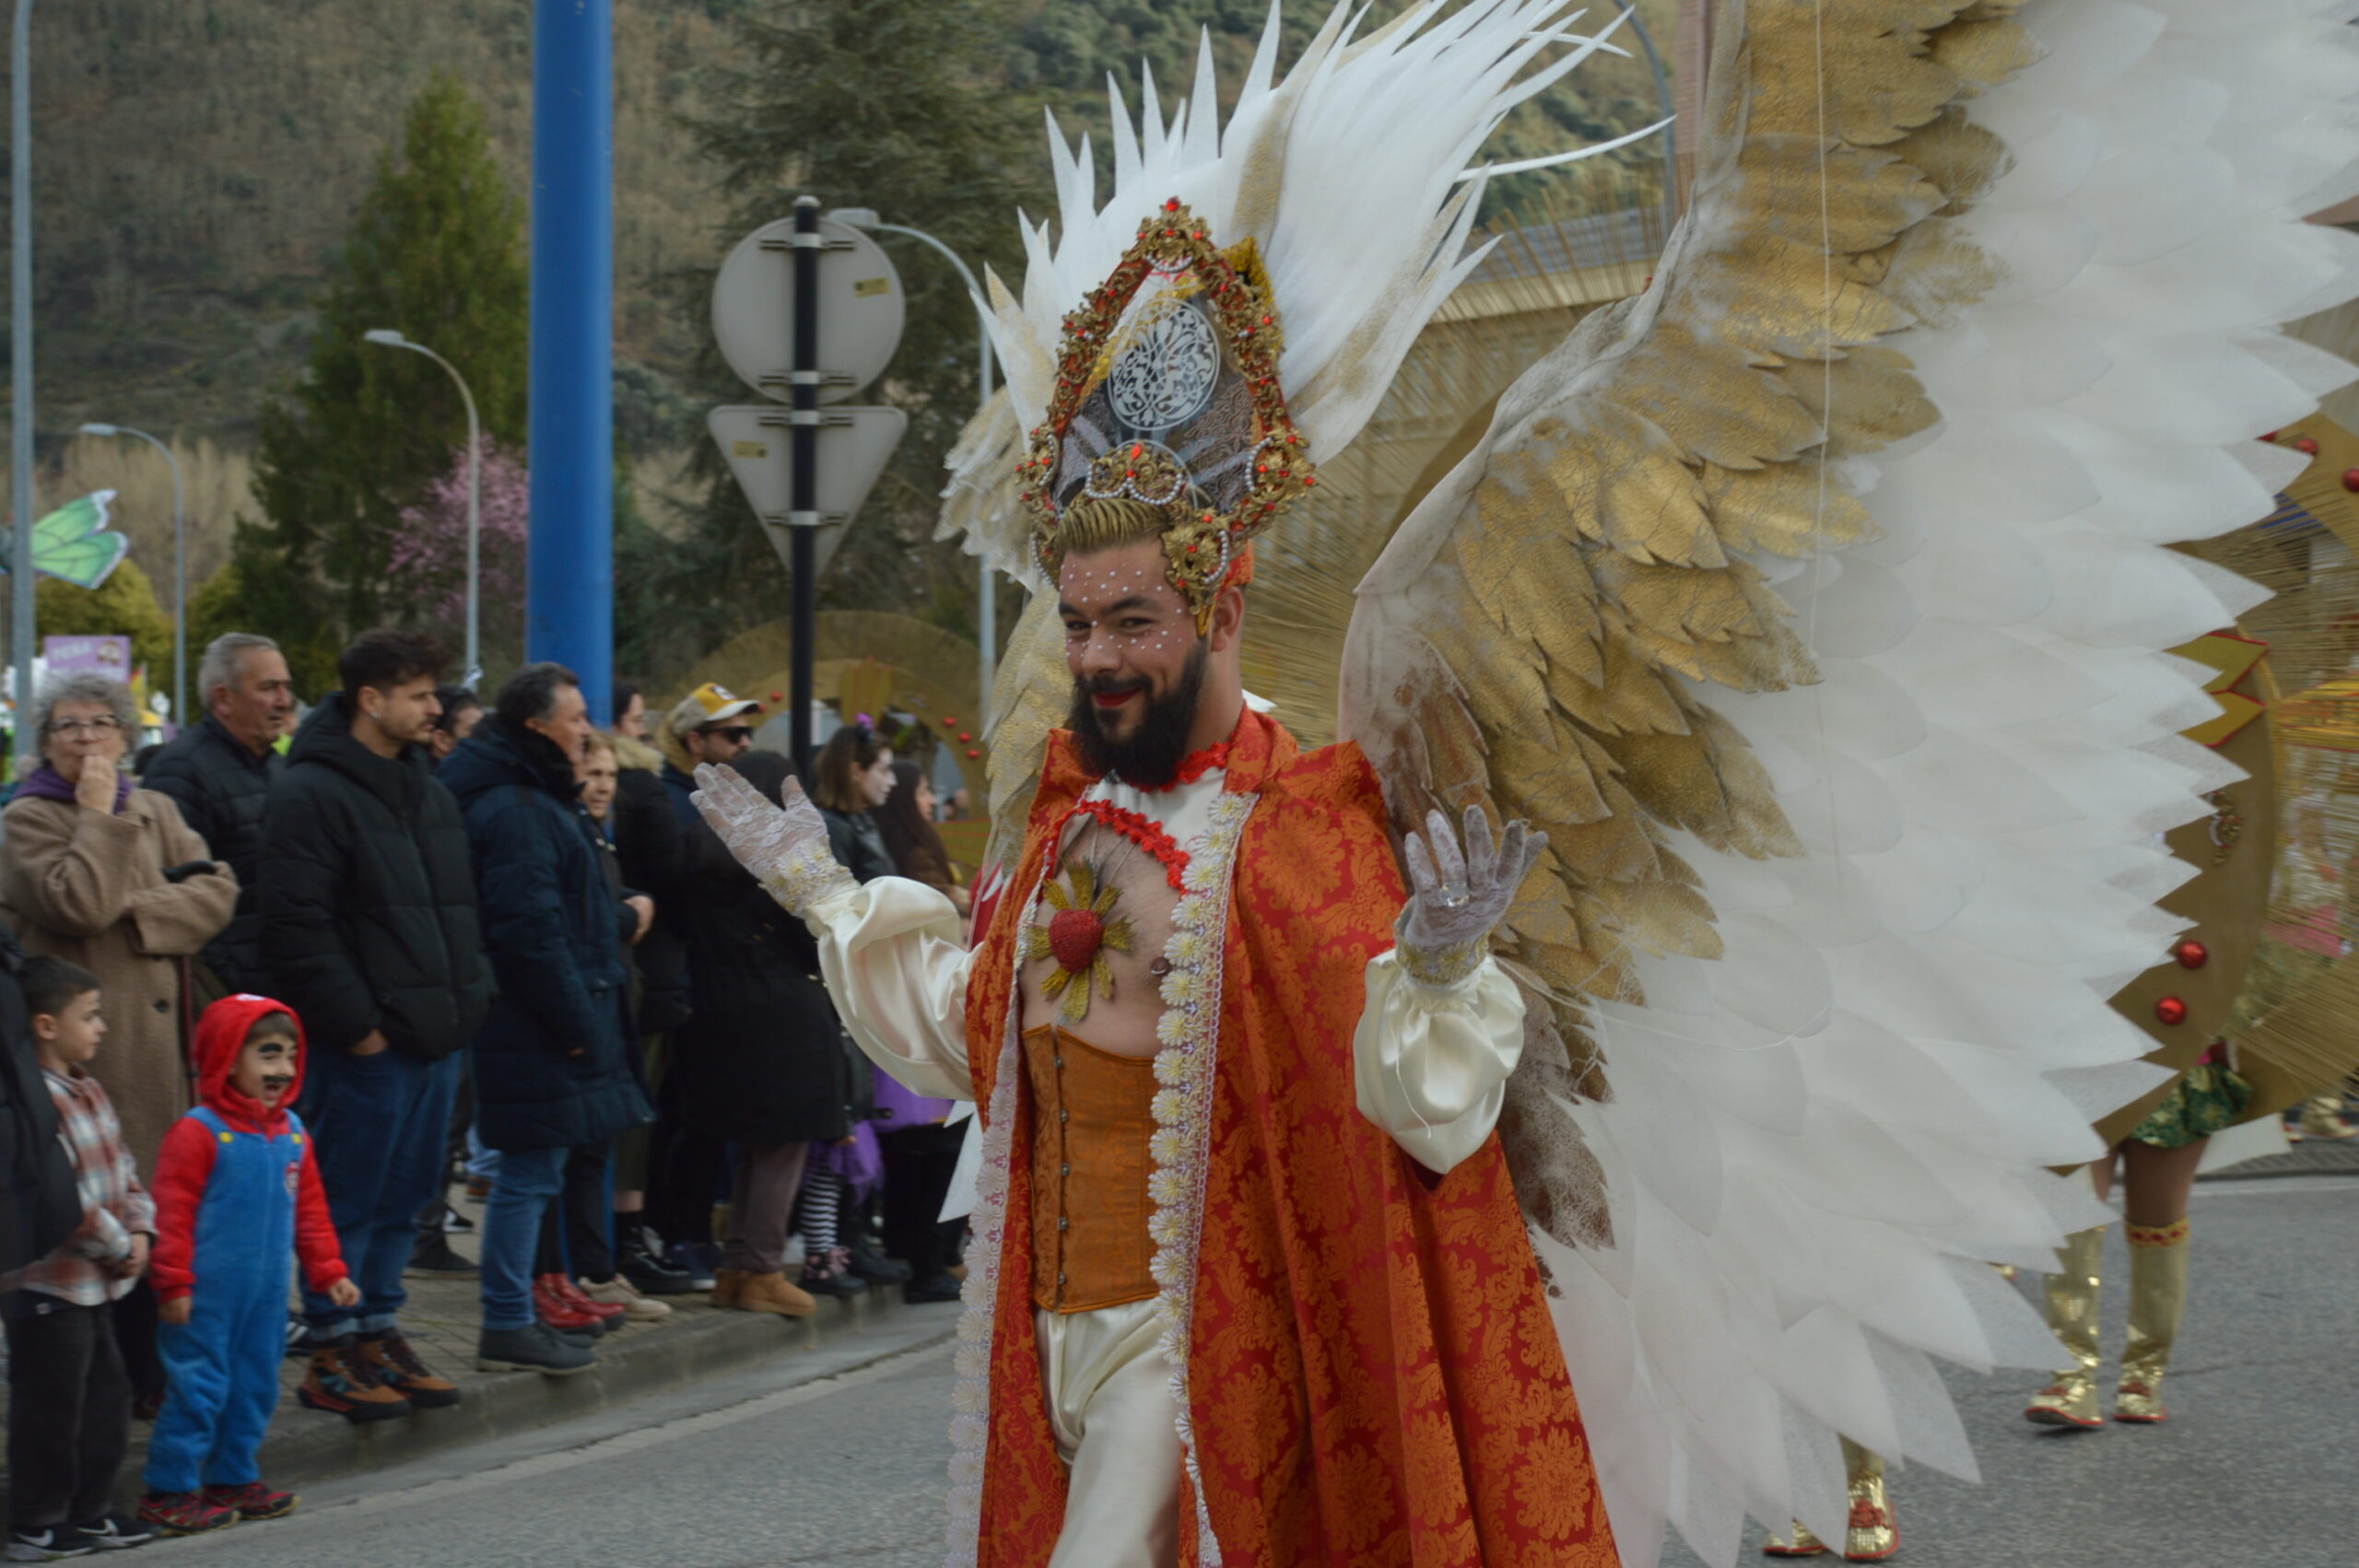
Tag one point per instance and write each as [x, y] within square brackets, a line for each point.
[381, 1124]
[529, 1181]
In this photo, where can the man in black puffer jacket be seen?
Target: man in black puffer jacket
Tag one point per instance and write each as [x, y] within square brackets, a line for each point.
[369, 932]
[219, 771]
[553, 1065]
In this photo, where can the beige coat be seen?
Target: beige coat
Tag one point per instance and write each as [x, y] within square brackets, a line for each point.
[88, 887]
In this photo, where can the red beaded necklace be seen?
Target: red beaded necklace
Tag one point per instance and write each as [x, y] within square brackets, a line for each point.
[1140, 831]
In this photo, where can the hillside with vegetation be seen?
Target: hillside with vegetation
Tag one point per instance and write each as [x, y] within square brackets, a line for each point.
[201, 166]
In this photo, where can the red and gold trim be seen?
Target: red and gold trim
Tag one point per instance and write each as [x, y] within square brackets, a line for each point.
[2172, 1234]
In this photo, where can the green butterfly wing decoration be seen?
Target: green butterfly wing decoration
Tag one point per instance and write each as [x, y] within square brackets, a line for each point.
[74, 543]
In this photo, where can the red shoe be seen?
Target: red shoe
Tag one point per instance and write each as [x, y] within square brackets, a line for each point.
[569, 1289]
[560, 1313]
[251, 1501]
[184, 1514]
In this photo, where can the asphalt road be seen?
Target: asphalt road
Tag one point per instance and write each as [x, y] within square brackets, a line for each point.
[838, 1457]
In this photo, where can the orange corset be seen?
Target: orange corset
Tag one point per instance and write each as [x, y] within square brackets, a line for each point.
[1091, 1116]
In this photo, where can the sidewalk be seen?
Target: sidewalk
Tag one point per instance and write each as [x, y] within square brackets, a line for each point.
[693, 1344]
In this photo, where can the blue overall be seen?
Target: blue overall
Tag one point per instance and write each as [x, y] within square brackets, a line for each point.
[223, 1363]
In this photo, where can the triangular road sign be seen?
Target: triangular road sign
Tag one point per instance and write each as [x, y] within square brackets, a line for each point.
[854, 446]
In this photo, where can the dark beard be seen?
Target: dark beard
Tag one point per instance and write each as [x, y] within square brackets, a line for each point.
[1150, 759]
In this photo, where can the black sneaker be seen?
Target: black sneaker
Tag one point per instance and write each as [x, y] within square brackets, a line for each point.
[933, 1287]
[45, 1545]
[530, 1348]
[650, 1274]
[114, 1532]
[830, 1275]
[432, 1258]
[877, 1269]
[686, 1257]
[457, 1223]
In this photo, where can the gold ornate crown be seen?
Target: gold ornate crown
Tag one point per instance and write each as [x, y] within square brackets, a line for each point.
[1167, 419]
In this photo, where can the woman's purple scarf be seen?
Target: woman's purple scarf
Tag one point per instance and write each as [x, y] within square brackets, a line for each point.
[45, 783]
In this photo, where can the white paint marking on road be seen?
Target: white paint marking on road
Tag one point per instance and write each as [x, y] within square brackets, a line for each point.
[627, 1441]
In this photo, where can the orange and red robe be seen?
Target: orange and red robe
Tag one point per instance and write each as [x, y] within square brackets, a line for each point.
[1372, 1378]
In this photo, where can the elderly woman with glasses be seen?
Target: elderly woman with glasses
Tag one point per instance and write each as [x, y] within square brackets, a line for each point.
[110, 877]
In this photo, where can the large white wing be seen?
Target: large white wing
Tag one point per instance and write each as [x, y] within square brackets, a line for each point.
[1813, 601]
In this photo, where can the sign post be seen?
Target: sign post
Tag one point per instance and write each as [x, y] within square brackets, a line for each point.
[807, 468]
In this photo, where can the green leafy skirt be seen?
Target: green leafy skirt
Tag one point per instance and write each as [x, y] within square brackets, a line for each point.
[2208, 1098]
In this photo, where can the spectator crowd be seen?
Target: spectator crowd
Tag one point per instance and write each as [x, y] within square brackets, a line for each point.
[267, 1001]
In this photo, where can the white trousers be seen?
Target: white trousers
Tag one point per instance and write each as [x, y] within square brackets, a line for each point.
[1110, 1407]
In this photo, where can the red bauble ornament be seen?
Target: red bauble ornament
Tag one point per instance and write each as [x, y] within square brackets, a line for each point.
[974, 751]
[2170, 1010]
[964, 737]
[2351, 479]
[2308, 444]
[778, 696]
[2191, 954]
[1075, 937]
[950, 719]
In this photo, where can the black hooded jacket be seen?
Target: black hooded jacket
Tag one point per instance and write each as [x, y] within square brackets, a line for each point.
[553, 1067]
[367, 895]
[220, 787]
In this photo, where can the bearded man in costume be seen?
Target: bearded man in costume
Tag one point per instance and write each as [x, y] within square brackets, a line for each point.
[1851, 733]
[1249, 1276]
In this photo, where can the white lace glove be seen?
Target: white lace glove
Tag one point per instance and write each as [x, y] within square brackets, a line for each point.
[1445, 928]
[786, 849]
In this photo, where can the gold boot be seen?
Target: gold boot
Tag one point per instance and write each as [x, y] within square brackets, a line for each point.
[2071, 1399]
[2322, 1118]
[1796, 1543]
[2157, 1300]
[1873, 1534]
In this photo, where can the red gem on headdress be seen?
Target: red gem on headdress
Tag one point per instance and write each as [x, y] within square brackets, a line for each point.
[1308, 481]
[1172, 204]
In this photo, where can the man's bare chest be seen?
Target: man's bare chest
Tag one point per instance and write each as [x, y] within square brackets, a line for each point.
[1094, 949]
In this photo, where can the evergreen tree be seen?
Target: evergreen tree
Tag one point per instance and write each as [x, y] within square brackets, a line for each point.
[905, 106]
[436, 253]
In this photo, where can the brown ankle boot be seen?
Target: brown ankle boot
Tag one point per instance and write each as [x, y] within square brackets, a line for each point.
[774, 1292]
[346, 1382]
[727, 1283]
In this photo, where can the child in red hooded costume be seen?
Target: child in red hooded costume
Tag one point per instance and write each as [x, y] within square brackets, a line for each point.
[237, 1195]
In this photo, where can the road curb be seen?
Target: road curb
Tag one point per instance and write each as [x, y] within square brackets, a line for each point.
[308, 1446]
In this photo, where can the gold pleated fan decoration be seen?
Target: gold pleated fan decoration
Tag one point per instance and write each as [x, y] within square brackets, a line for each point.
[2293, 1024]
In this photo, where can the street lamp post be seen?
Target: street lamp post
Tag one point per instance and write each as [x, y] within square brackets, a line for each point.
[392, 339]
[180, 567]
[987, 616]
[20, 358]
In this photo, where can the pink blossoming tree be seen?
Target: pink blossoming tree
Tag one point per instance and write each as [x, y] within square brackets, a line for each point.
[429, 561]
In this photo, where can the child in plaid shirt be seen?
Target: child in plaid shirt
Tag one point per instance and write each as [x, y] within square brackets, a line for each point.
[69, 1403]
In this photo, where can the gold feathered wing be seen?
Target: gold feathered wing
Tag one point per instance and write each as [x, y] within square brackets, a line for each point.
[1798, 599]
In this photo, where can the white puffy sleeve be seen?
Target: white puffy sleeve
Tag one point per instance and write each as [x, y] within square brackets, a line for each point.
[1432, 1060]
[892, 957]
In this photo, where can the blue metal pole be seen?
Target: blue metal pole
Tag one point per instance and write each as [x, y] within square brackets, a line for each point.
[570, 598]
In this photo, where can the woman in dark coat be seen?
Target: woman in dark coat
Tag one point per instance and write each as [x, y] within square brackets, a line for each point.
[762, 1066]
